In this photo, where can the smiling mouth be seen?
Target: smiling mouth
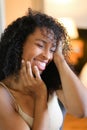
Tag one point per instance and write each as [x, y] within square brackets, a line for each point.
[41, 65]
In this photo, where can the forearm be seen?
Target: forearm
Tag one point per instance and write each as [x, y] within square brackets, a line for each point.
[41, 115]
[74, 91]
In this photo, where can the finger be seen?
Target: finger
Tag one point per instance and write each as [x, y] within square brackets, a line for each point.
[60, 47]
[36, 72]
[23, 73]
[29, 69]
[23, 78]
[23, 65]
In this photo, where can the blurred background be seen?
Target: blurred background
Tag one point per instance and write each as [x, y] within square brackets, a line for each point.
[73, 15]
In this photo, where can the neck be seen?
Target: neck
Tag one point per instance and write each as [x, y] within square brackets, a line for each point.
[14, 84]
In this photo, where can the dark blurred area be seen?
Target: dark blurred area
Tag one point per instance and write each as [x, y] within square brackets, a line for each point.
[83, 60]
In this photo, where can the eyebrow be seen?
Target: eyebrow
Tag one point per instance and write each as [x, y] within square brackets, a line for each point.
[41, 40]
[54, 44]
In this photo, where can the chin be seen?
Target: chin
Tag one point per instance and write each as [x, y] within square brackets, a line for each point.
[40, 72]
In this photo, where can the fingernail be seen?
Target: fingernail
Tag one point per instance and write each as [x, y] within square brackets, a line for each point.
[22, 61]
[35, 67]
[28, 62]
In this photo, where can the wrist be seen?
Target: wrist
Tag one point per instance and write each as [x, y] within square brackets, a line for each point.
[59, 59]
[41, 103]
[42, 97]
[58, 55]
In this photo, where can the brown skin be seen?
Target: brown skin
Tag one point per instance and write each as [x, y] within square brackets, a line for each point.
[71, 85]
[30, 91]
[37, 53]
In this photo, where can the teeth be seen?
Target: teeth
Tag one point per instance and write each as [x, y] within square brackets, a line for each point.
[42, 64]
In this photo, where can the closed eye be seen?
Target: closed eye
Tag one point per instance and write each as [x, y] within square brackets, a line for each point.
[53, 49]
[39, 45]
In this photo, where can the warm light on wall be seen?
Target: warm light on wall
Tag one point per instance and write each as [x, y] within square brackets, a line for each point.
[59, 2]
[76, 9]
[77, 51]
[63, 1]
[70, 26]
[76, 44]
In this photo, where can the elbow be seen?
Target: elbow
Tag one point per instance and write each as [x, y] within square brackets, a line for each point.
[81, 114]
[80, 111]
[84, 115]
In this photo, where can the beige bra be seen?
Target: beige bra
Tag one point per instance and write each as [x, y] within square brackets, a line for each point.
[28, 119]
[55, 114]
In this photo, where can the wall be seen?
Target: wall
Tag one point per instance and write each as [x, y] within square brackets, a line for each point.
[77, 9]
[2, 15]
[15, 8]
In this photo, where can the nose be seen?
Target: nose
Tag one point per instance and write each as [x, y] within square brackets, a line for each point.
[47, 55]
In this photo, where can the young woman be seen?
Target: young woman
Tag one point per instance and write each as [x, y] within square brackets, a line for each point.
[34, 74]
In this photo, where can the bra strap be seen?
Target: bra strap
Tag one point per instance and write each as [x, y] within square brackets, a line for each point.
[14, 103]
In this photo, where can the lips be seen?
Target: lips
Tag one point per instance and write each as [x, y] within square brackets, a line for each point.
[41, 65]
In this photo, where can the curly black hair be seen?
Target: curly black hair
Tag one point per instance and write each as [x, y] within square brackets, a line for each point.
[13, 39]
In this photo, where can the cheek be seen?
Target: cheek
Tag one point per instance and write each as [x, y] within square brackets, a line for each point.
[28, 55]
[51, 58]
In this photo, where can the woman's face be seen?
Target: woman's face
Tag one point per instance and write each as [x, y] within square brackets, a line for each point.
[39, 48]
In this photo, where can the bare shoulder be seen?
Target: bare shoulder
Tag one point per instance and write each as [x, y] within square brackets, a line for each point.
[5, 101]
[4, 97]
[9, 118]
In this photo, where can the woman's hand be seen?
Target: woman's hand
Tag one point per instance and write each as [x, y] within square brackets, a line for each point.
[32, 82]
[58, 55]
